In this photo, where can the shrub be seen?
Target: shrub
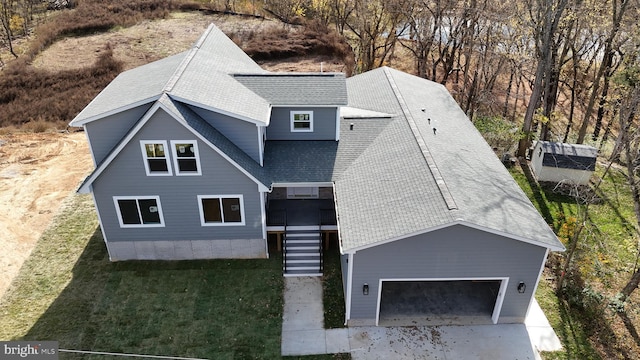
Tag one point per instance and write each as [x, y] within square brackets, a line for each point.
[35, 96]
[313, 38]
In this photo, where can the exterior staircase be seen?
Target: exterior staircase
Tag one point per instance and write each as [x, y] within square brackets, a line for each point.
[302, 253]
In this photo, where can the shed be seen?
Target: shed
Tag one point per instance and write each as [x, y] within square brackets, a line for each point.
[556, 162]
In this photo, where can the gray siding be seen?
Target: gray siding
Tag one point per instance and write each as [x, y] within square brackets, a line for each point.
[324, 124]
[242, 133]
[126, 176]
[106, 133]
[454, 252]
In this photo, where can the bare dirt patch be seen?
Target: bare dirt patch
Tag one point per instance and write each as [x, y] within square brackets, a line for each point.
[37, 172]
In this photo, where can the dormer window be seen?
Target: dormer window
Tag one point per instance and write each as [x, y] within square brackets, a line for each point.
[156, 160]
[302, 121]
[185, 157]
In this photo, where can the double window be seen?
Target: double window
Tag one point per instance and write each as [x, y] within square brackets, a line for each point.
[186, 160]
[139, 211]
[302, 121]
[221, 210]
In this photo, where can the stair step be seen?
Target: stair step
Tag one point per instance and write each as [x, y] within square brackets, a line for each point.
[300, 255]
[315, 268]
[302, 240]
[303, 227]
[302, 273]
[303, 261]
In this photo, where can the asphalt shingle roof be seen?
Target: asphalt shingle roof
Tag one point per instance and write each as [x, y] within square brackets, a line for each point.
[135, 86]
[297, 88]
[389, 191]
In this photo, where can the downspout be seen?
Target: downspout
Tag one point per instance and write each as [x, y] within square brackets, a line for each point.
[347, 313]
[263, 197]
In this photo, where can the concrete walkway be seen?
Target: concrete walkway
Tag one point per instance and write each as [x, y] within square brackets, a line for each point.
[303, 333]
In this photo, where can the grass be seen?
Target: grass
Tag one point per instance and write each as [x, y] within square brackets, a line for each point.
[68, 291]
[333, 293]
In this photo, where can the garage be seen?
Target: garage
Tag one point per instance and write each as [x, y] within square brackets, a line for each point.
[440, 301]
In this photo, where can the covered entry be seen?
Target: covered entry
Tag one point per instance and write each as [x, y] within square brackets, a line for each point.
[440, 301]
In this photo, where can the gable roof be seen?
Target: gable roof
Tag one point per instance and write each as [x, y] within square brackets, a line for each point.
[201, 129]
[410, 179]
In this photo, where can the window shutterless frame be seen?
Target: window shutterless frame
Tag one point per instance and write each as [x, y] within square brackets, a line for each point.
[155, 154]
[221, 210]
[186, 159]
[138, 211]
[301, 121]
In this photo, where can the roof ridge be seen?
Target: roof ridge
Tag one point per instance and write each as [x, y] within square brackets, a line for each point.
[444, 190]
[185, 62]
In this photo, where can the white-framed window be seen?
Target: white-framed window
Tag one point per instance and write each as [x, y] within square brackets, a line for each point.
[302, 121]
[156, 158]
[139, 211]
[186, 160]
[221, 210]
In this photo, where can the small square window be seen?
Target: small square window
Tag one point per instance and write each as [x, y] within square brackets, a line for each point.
[301, 121]
[185, 157]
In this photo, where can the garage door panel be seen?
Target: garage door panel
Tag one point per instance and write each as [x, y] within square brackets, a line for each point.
[438, 302]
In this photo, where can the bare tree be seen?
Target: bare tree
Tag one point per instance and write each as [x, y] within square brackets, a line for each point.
[6, 13]
[630, 141]
[618, 11]
[377, 25]
[545, 16]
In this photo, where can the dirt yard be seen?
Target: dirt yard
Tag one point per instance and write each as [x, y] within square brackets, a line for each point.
[37, 172]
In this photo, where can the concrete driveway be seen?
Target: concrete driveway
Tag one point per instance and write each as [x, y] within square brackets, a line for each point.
[303, 333]
[493, 342]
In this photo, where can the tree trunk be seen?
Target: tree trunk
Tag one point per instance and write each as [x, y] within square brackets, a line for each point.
[631, 285]
[602, 103]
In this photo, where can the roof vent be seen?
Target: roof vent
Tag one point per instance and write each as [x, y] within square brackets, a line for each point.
[351, 126]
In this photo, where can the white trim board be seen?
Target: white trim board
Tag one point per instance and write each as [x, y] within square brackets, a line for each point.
[463, 223]
[504, 281]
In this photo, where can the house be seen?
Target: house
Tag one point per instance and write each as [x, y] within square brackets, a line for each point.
[205, 155]
[561, 162]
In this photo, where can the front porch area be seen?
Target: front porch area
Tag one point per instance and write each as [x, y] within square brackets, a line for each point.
[301, 226]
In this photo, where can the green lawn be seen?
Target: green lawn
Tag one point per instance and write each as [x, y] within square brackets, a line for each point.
[68, 291]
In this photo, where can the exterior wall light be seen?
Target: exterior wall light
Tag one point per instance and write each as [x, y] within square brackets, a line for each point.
[365, 289]
[522, 287]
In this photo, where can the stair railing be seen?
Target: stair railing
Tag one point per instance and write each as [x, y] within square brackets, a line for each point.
[284, 244]
[321, 241]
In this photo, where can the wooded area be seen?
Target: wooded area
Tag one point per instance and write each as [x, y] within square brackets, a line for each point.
[558, 70]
